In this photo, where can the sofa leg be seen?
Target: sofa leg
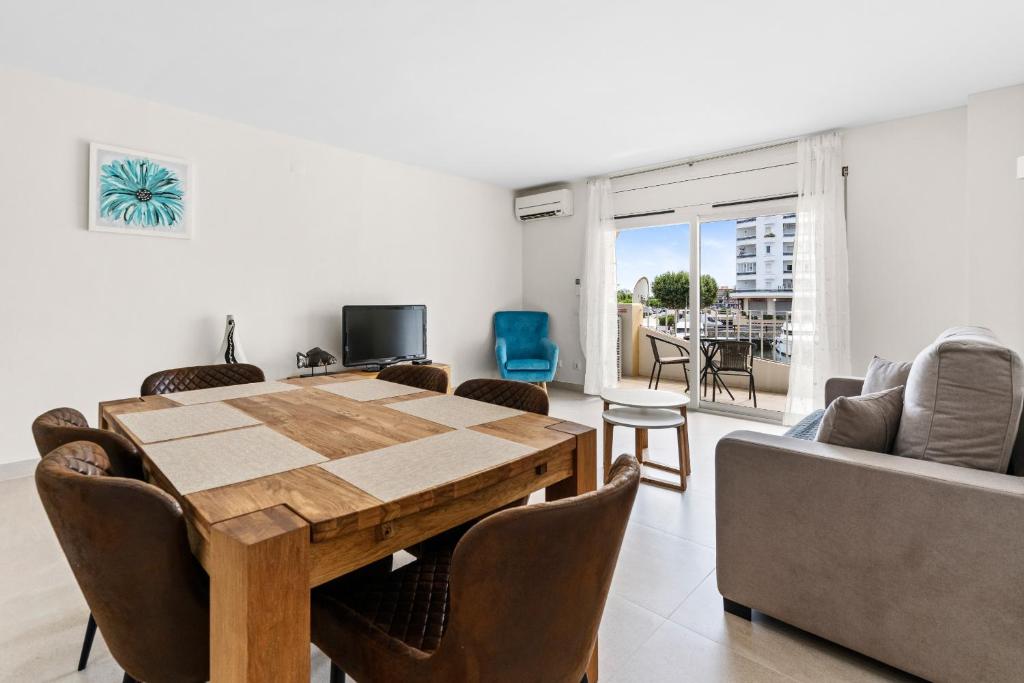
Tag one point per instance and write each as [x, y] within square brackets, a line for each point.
[735, 608]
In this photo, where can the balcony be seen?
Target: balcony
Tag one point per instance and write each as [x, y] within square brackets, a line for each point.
[745, 236]
[746, 272]
[787, 252]
[746, 254]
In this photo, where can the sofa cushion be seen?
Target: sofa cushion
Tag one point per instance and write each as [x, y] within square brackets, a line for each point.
[885, 374]
[528, 364]
[868, 422]
[962, 404]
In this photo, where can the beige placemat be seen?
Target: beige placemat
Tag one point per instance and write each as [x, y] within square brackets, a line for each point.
[369, 389]
[187, 398]
[398, 471]
[175, 423]
[454, 411]
[205, 462]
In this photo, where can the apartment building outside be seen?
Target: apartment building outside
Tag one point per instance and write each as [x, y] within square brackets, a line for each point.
[764, 263]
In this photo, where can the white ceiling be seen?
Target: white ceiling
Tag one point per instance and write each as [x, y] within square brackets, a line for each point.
[531, 91]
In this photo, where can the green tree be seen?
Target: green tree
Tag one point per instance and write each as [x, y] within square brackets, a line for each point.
[624, 296]
[672, 289]
[708, 291]
[654, 302]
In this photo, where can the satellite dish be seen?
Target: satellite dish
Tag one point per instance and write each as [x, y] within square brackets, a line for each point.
[641, 291]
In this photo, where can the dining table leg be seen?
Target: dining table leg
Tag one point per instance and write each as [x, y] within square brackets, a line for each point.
[583, 480]
[259, 598]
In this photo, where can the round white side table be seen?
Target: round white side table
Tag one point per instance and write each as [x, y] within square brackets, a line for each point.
[643, 410]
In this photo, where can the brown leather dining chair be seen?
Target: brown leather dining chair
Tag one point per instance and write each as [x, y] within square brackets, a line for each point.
[145, 588]
[506, 392]
[519, 599]
[200, 377]
[419, 376]
[60, 426]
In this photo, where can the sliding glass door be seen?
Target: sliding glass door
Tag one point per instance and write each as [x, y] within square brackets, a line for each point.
[704, 305]
[745, 261]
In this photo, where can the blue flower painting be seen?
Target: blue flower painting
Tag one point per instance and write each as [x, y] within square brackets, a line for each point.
[140, 192]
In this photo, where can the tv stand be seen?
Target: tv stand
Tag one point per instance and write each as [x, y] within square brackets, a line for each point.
[365, 372]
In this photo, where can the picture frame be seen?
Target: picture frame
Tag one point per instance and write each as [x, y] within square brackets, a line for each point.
[132, 192]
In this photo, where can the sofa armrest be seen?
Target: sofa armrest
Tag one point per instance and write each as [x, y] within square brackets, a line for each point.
[501, 352]
[865, 548]
[842, 386]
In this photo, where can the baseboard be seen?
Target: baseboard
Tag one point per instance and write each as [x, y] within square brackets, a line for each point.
[18, 469]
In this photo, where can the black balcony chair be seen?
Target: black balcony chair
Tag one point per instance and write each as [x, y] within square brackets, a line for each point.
[730, 358]
[682, 359]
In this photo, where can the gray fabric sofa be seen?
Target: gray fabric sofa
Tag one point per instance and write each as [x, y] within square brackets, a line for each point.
[916, 563]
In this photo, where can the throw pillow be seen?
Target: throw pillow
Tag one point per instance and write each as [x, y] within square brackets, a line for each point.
[868, 422]
[885, 374]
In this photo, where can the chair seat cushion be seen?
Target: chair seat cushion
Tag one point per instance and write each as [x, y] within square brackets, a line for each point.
[528, 364]
[670, 360]
[409, 605]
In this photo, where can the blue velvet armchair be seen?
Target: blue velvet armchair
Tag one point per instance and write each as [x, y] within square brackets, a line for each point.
[522, 347]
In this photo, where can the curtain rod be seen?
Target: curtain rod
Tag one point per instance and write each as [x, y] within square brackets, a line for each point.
[697, 160]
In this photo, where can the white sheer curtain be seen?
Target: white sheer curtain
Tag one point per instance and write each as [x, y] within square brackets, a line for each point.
[821, 304]
[597, 297]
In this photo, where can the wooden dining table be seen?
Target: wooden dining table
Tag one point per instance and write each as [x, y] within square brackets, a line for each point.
[267, 541]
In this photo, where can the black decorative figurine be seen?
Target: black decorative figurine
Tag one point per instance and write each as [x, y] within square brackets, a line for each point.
[313, 359]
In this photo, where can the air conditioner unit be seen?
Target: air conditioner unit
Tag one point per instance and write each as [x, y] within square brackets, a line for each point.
[544, 205]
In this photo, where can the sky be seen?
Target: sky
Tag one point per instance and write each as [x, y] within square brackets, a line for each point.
[653, 251]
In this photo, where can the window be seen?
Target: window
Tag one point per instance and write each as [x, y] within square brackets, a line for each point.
[767, 248]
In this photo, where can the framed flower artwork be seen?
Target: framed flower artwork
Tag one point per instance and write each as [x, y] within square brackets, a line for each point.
[138, 193]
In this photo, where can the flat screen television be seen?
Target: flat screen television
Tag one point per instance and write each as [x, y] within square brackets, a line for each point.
[382, 335]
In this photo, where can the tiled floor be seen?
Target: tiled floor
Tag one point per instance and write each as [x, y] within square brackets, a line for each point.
[663, 621]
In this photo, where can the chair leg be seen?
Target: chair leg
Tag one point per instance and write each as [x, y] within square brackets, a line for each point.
[608, 436]
[686, 376]
[680, 444]
[654, 366]
[753, 389]
[90, 634]
[337, 675]
[658, 381]
[639, 438]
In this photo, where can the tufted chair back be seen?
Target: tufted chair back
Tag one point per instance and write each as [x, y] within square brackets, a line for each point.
[522, 332]
[60, 426]
[420, 376]
[127, 545]
[200, 377]
[506, 392]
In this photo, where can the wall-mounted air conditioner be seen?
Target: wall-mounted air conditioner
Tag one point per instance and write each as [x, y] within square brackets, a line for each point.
[544, 205]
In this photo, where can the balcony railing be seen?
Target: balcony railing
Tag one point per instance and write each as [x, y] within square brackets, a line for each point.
[746, 272]
[745, 237]
[750, 254]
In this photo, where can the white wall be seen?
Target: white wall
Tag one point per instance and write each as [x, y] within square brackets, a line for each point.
[994, 230]
[552, 260]
[288, 232]
[906, 198]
